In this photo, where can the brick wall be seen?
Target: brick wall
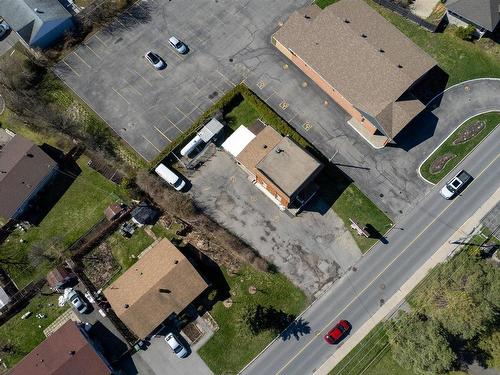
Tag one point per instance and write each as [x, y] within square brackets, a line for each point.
[271, 188]
[325, 86]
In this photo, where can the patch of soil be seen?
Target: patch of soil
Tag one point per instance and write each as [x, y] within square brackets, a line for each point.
[469, 132]
[193, 333]
[100, 265]
[438, 164]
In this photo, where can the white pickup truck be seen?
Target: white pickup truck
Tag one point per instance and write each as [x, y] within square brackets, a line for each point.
[455, 185]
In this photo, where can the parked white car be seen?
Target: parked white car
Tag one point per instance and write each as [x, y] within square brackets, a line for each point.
[179, 350]
[77, 302]
[178, 45]
[155, 60]
[170, 177]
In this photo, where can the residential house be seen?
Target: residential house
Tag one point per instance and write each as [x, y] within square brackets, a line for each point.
[39, 23]
[25, 169]
[113, 211]
[276, 164]
[161, 283]
[364, 63]
[484, 15]
[60, 276]
[69, 350]
[144, 214]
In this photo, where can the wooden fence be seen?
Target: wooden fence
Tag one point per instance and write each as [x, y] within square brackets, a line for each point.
[406, 13]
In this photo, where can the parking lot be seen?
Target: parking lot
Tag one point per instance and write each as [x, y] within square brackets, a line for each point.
[310, 249]
[150, 108]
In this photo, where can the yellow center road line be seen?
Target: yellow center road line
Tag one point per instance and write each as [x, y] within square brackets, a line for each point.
[162, 133]
[69, 66]
[77, 55]
[121, 96]
[151, 143]
[381, 272]
[140, 75]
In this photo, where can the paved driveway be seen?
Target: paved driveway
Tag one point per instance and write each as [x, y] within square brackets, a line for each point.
[150, 108]
[311, 249]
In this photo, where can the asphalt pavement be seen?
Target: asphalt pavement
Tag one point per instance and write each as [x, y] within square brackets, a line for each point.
[379, 274]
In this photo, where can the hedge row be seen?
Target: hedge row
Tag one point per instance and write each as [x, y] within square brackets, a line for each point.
[225, 105]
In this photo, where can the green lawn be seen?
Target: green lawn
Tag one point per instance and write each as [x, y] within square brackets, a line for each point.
[352, 203]
[372, 356]
[243, 114]
[25, 334]
[160, 231]
[125, 250]
[324, 3]
[81, 206]
[460, 59]
[233, 345]
[491, 119]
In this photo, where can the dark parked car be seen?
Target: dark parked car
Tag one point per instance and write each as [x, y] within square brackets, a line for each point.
[338, 332]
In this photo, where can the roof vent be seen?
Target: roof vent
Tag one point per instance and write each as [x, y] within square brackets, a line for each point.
[381, 50]
[364, 35]
[165, 290]
[400, 66]
[126, 306]
[30, 155]
[347, 21]
[37, 10]
[176, 261]
[72, 352]
[265, 146]
[279, 150]
[307, 17]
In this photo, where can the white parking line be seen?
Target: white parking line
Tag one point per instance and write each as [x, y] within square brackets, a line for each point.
[140, 75]
[100, 40]
[151, 143]
[92, 50]
[227, 79]
[174, 125]
[121, 96]
[162, 133]
[77, 55]
[69, 66]
[132, 87]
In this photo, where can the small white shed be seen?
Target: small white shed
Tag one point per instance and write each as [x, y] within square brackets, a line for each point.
[237, 141]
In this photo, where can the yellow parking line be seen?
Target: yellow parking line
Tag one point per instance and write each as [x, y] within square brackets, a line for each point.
[69, 66]
[77, 55]
[140, 75]
[151, 143]
[121, 96]
[227, 79]
[162, 133]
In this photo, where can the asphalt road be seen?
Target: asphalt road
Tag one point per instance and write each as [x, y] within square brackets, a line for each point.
[379, 274]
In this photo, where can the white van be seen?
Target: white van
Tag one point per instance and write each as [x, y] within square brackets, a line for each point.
[170, 177]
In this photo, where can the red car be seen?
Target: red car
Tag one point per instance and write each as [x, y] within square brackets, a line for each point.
[338, 332]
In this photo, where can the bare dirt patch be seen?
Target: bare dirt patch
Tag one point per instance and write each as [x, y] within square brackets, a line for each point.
[100, 265]
[469, 132]
[439, 163]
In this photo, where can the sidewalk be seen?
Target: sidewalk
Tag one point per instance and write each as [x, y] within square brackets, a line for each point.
[439, 256]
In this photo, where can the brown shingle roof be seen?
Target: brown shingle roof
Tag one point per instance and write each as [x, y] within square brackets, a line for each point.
[258, 148]
[289, 167]
[66, 351]
[344, 42]
[23, 166]
[160, 283]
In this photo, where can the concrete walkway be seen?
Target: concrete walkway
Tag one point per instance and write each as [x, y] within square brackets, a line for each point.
[440, 256]
[423, 8]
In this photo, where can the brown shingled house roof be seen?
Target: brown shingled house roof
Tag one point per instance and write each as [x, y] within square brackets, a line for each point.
[23, 166]
[160, 283]
[66, 351]
[258, 148]
[364, 57]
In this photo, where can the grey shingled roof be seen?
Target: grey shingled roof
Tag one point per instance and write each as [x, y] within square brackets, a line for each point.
[364, 57]
[22, 17]
[484, 13]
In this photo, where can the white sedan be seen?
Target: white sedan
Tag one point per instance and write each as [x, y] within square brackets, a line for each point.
[178, 45]
[155, 60]
[179, 349]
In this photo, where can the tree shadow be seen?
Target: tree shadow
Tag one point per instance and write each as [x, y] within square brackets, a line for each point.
[296, 329]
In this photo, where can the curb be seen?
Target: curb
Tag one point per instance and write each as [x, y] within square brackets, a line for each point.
[444, 140]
